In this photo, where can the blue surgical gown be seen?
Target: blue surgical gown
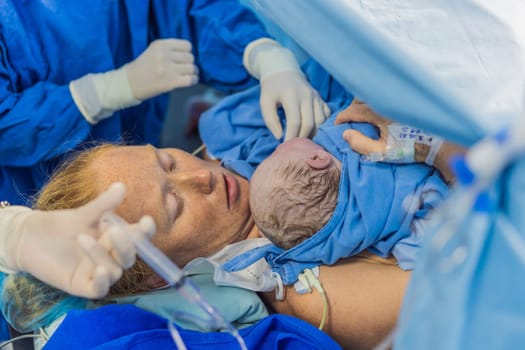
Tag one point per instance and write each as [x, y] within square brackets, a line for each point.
[46, 44]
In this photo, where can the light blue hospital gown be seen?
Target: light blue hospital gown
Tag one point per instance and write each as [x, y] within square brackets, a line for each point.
[46, 44]
[372, 210]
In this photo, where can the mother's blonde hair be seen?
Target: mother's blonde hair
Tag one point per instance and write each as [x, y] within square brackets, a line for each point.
[73, 182]
[28, 303]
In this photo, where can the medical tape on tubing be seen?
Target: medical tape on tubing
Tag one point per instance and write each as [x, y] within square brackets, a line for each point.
[400, 144]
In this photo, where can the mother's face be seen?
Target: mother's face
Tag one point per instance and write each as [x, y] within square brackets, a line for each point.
[198, 206]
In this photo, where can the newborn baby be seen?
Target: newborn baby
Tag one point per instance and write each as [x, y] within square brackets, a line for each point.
[293, 193]
[319, 201]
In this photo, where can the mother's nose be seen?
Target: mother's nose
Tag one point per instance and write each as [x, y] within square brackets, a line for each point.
[199, 180]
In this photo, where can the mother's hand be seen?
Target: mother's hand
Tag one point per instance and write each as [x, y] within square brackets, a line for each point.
[359, 112]
[393, 149]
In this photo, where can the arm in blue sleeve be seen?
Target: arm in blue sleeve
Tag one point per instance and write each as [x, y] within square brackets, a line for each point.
[223, 28]
[37, 123]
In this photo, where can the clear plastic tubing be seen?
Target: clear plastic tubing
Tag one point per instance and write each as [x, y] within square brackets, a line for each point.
[175, 277]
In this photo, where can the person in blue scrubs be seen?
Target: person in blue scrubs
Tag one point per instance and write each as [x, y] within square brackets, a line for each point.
[73, 73]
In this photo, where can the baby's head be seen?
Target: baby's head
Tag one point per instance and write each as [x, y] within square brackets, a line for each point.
[293, 193]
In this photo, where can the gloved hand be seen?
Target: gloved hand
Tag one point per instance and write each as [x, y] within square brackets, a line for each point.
[81, 251]
[283, 84]
[165, 65]
[397, 143]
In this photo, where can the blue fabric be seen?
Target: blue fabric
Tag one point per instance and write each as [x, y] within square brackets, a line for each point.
[370, 213]
[44, 45]
[466, 291]
[4, 330]
[430, 64]
[455, 68]
[128, 327]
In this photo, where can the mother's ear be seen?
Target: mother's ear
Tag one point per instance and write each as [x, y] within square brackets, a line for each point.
[319, 159]
[155, 282]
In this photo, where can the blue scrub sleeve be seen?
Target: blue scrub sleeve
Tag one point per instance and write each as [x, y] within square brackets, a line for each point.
[224, 28]
[38, 123]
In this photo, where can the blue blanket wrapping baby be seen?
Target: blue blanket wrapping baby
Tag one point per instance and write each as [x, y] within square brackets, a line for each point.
[378, 203]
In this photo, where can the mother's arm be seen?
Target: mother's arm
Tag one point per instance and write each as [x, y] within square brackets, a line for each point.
[359, 111]
[364, 296]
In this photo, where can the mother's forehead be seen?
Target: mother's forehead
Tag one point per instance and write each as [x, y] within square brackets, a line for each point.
[121, 161]
[124, 163]
[121, 155]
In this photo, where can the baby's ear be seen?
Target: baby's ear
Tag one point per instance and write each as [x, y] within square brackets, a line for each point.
[319, 159]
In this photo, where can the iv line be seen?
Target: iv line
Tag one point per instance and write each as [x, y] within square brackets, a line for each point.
[175, 277]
